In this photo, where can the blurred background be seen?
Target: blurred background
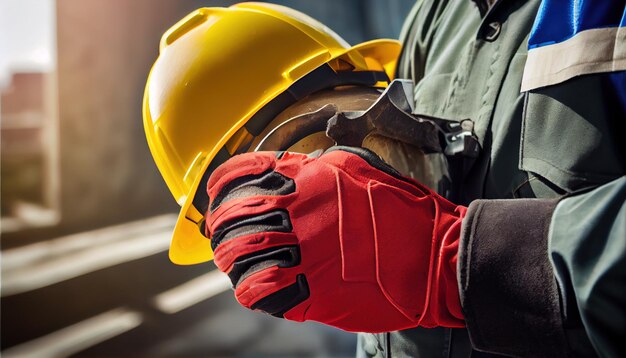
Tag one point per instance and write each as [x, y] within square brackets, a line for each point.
[86, 218]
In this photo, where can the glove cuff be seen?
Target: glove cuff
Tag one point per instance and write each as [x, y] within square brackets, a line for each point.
[504, 265]
[443, 308]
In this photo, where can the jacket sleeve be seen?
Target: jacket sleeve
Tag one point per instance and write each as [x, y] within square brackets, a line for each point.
[546, 278]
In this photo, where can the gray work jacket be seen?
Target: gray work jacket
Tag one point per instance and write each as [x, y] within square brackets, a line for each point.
[536, 277]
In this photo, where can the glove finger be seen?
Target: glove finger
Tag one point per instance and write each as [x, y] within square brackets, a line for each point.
[227, 227]
[266, 183]
[251, 244]
[237, 166]
[273, 290]
[247, 244]
[251, 174]
[247, 265]
[236, 211]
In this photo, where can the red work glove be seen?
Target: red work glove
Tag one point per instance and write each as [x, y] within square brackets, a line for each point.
[341, 239]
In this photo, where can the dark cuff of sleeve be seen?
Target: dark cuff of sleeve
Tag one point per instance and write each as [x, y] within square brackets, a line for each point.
[508, 290]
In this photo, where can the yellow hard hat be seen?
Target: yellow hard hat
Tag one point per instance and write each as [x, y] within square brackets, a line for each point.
[221, 76]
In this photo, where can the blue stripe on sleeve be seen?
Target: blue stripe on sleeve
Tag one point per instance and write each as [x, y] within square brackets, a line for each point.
[559, 20]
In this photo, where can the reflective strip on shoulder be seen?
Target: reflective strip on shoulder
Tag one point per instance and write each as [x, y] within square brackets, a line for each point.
[575, 37]
[590, 51]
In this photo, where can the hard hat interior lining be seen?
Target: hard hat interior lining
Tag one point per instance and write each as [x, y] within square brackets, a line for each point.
[321, 78]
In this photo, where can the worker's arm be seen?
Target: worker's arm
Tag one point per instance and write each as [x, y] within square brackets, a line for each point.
[345, 240]
[541, 276]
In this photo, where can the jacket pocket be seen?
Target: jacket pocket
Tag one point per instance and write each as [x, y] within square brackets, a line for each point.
[570, 134]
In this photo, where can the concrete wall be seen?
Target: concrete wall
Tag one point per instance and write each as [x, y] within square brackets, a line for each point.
[106, 48]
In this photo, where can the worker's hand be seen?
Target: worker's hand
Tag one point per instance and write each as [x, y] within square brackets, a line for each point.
[341, 239]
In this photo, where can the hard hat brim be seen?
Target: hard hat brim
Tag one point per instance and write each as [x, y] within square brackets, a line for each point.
[189, 246]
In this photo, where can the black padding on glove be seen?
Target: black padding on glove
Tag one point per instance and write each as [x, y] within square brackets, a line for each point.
[282, 256]
[285, 299]
[273, 221]
[267, 183]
